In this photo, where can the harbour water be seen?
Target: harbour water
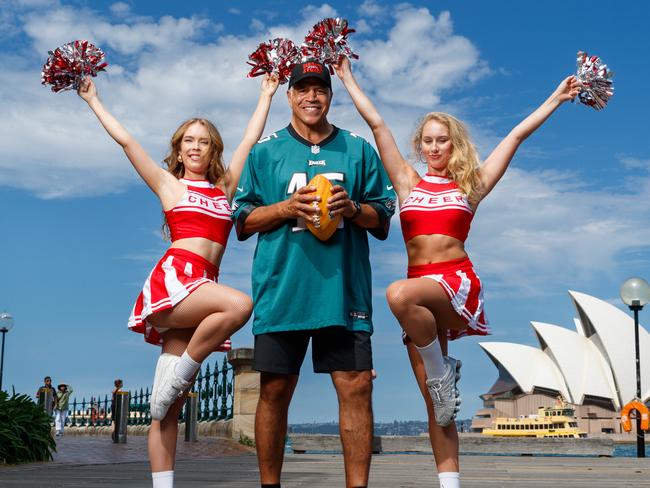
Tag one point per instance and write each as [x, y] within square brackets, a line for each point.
[629, 450]
[620, 450]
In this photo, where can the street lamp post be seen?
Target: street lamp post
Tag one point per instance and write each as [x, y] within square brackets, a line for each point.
[635, 293]
[6, 323]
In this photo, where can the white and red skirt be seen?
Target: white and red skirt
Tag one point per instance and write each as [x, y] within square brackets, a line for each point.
[464, 289]
[176, 275]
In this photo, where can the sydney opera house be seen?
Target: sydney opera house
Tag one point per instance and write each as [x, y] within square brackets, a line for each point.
[592, 368]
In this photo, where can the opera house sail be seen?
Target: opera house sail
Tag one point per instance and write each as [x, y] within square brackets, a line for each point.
[591, 368]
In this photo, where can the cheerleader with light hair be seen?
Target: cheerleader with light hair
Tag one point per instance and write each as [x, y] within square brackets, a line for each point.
[442, 298]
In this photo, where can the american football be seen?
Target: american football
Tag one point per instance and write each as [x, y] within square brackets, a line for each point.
[323, 226]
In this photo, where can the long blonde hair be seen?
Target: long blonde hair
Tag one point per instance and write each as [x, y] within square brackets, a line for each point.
[216, 168]
[463, 162]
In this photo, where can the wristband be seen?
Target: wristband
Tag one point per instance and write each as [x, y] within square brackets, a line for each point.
[357, 210]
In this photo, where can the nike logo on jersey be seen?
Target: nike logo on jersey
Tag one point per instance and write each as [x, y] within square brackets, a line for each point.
[389, 187]
[240, 189]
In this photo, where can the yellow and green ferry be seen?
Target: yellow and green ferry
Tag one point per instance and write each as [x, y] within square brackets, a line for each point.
[550, 422]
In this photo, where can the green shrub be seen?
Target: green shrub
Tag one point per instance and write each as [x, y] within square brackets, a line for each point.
[25, 431]
[244, 440]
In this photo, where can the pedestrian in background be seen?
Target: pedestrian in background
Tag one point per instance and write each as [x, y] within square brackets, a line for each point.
[118, 387]
[47, 385]
[61, 407]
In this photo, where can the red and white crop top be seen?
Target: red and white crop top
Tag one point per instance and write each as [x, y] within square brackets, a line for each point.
[203, 211]
[436, 206]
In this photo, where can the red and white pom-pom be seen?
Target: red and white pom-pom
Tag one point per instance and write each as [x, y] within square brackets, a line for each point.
[327, 41]
[595, 76]
[277, 57]
[67, 65]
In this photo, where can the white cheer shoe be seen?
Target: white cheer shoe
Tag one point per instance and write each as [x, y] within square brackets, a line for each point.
[444, 392]
[167, 387]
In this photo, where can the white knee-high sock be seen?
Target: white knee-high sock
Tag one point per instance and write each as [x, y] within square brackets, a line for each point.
[449, 480]
[163, 479]
[432, 358]
[186, 367]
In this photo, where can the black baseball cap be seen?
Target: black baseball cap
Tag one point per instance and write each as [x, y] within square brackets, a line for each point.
[310, 69]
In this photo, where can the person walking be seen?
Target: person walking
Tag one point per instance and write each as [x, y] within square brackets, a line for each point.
[41, 394]
[63, 393]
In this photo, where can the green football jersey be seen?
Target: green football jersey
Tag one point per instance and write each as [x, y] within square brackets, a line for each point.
[300, 282]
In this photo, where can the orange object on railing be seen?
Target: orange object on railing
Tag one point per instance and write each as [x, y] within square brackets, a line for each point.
[641, 410]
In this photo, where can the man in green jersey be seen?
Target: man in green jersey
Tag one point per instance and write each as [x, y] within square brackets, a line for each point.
[307, 289]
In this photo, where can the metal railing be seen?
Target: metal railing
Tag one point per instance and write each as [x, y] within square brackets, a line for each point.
[215, 395]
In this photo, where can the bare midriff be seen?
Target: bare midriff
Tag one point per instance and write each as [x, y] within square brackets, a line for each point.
[207, 249]
[434, 248]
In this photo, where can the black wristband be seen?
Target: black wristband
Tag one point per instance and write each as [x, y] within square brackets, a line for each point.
[357, 210]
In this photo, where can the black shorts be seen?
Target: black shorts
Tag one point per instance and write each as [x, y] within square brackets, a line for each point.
[333, 349]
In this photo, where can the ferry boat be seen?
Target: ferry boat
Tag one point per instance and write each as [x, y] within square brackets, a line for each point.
[550, 422]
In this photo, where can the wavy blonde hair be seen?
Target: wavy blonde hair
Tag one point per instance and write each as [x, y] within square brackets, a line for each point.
[463, 162]
[216, 168]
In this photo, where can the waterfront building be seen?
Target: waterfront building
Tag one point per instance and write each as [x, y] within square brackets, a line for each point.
[593, 369]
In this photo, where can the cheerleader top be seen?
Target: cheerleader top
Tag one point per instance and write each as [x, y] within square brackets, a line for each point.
[436, 206]
[203, 211]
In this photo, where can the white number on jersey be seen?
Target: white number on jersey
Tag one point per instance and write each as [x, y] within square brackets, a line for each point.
[267, 138]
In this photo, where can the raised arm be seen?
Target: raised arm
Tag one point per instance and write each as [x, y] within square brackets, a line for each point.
[401, 174]
[253, 133]
[497, 163]
[160, 181]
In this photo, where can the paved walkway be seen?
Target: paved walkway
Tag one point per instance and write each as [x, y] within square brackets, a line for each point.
[95, 461]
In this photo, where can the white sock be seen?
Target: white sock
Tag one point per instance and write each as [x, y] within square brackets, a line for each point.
[186, 367]
[449, 480]
[434, 363]
[163, 479]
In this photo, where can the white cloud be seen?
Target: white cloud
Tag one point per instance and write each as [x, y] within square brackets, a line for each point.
[372, 9]
[538, 229]
[60, 25]
[70, 152]
[54, 147]
[633, 163]
[164, 75]
[405, 72]
[539, 232]
[120, 8]
[362, 27]
[310, 16]
[35, 3]
[257, 25]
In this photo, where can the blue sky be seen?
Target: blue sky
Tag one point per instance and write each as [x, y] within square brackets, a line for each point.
[80, 232]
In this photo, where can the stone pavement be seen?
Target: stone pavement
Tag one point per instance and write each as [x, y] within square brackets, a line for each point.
[95, 461]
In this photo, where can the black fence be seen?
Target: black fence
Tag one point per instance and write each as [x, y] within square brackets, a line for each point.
[214, 388]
